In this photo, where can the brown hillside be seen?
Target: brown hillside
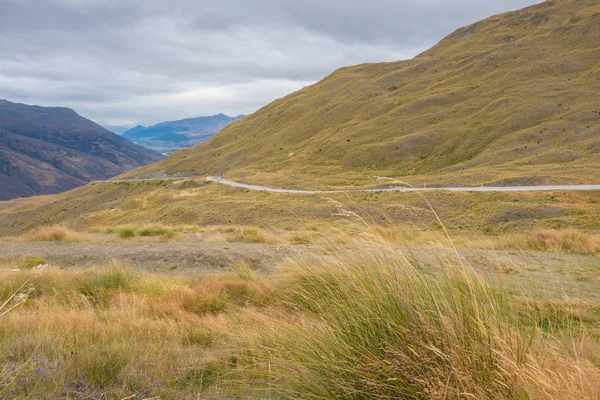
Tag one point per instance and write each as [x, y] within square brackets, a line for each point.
[47, 150]
[513, 98]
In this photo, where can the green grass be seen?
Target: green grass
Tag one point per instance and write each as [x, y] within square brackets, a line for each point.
[126, 232]
[98, 285]
[156, 230]
[247, 236]
[30, 262]
[381, 327]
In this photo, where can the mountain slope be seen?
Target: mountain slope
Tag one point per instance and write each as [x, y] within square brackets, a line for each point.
[513, 98]
[179, 134]
[49, 150]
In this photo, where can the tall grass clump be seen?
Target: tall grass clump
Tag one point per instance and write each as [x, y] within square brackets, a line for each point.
[156, 230]
[30, 262]
[9, 301]
[126, 232]
[50, 234]
[376, 326]
[247, 236]
[98, 285]
[566, 241]
[251, 235]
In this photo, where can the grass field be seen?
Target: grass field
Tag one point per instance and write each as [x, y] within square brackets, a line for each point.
[196, 204]
[359, 320]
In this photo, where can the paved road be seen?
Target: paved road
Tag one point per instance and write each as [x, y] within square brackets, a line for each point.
[222, 181]
[144, 180]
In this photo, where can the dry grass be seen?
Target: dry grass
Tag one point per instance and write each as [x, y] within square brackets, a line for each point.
[505, 100]
[371, 324]
[147, 233]
[112, 332]
[363, 320]
[52, 234]
[103, 206]
[253, 235]
[566, 241]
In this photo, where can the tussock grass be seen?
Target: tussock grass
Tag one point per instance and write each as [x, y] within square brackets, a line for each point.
[567, 241]
[113, 332]
[31, 262]
[361, 320]
[252, 235]
[126, 232]
[51, 234]
[374, 325]
[151, 232]
[247, 236]
[97, 285]
[156, 230]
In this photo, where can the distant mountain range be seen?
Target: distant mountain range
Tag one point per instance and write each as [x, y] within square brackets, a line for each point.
[172, 135]
[47, 150]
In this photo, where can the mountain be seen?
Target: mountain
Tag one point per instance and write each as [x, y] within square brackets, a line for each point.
[513, 98]
[49, 150]
[179, 134]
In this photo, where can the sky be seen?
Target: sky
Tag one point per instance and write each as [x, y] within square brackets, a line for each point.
[129, 62]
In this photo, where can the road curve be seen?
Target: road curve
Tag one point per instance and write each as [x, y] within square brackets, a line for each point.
[218, 179]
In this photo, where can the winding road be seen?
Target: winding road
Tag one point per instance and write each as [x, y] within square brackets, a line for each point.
[223, 181]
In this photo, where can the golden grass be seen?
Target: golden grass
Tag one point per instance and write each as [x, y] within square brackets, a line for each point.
[107, 206]
[362, 320]
[117, 332]
[52, 234]
[506, 100]
[371, 324]
[566, 241]
[253, 235]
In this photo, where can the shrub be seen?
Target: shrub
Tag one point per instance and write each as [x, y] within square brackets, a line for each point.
[126, 232]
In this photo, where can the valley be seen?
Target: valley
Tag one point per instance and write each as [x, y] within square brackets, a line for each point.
[426, 229]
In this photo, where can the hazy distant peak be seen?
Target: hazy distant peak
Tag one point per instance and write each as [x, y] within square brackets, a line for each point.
[178, 134]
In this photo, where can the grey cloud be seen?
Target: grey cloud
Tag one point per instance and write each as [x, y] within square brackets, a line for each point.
[142, 61]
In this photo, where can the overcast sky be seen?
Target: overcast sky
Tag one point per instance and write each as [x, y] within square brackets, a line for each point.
[124, 62]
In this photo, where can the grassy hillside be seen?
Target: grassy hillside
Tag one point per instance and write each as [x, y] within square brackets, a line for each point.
[511, 99]
[194, 204]
[49, 150]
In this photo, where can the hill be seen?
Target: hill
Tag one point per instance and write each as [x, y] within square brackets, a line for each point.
[49, 150]
[510, 99]
[179, 134]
